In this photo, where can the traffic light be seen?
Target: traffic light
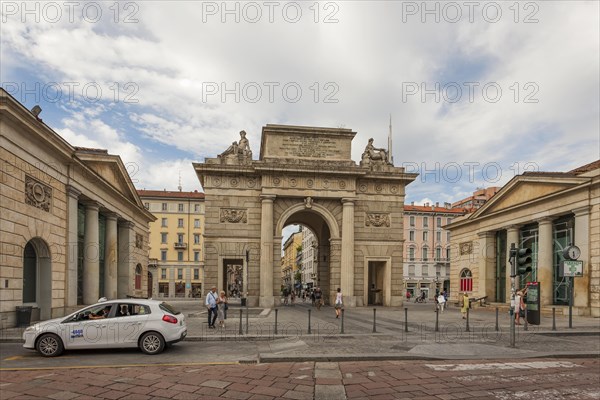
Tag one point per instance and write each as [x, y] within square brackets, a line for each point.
[523, 258]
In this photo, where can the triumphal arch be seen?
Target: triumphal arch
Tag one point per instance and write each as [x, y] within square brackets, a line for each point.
[305, 175]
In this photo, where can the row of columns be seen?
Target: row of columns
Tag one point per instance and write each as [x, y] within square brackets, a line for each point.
[266, 252]
[545, 260]
[117, 253]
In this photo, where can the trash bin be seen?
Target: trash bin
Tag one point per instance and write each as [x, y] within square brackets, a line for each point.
[23, 316]
[243, 302]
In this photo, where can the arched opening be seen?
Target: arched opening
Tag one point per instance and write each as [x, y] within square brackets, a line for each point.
[37, 277]
[466, 280]
[306, 254]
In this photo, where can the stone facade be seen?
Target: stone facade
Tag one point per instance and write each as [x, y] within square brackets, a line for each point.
[544, 211]
[55, 200]
[305, 175]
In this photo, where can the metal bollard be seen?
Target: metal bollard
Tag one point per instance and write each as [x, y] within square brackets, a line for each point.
[553, 318]
[437, 315]
[405, 319]
[276, 310]
[309, 321]
[241, 312]
[497, 327]
[247, 319]
[374, 319]
[468, 330]
[525, 327]
[342, 331]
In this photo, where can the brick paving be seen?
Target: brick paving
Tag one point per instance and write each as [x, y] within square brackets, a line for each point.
[476, 379]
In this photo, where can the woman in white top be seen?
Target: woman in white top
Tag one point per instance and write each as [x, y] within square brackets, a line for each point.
[338, 303]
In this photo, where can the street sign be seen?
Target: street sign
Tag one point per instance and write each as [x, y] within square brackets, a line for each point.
[572, 268]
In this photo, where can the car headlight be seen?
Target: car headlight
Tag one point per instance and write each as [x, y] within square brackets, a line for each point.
[32, 328]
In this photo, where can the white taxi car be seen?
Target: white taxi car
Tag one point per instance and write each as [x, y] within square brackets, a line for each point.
[147, 324]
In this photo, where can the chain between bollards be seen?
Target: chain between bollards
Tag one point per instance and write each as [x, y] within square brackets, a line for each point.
[342, 330]
[437, 316]
[309, 332]
[276, 310]
[553, 318]
[241, 323]
[405, 319]
[497, 327]
[374, 319]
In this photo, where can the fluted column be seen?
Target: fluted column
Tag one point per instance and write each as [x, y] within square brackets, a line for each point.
[72, 245]
[347, 261]
[266, 252]
[91, 254]
[487, 263]
[582, 240]
[545, 261]
[110, 270]
[512, 236]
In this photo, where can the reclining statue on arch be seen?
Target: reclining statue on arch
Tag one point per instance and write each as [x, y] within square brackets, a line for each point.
[239, 148]
[373, 154]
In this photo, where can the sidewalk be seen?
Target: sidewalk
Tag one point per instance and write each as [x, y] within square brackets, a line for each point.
[291, 340]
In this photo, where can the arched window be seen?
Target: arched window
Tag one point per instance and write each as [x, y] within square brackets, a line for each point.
[138, 277]
[466, 280]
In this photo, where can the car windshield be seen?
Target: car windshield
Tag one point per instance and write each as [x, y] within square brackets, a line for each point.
[169, 308]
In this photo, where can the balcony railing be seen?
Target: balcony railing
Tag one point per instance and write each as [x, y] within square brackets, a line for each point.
[180, 245]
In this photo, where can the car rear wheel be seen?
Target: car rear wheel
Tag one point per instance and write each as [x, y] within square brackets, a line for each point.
[152, 343]
[49, 345]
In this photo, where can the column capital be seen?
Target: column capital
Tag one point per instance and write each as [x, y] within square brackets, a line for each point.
[544, 220]
[348, 201]
[514, 227]
[581, 211]
[91, 205]
[111, 215]
[72, 192]
[486, 234]
[126, 224]
[267, 197]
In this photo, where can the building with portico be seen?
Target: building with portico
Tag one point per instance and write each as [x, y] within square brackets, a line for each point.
[73, 227]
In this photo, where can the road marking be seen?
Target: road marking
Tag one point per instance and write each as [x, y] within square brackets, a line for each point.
[496, 366]
[120, 366]
[13, 358]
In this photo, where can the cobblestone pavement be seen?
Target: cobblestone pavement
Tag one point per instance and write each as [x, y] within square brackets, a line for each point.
[477, 379]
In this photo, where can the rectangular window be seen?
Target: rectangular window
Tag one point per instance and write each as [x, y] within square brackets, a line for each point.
[180, 223]
[147, 206]
[164, 206]
[163, 273]
[180, 207]
[196, 273]
[439, 222]
[179, 273]
[180, 256]
[196, 207]
[448, 253]
[411, 254]
[163, 237]
[425, 236]
[449, 220]
[425, 255]
[180, 238]
[438, 253]
[438, 236]
[424, 270]
[448, 236]
[411, 270]
[196, 257]
[412, 221]
[411, 236]
[163, 222]
[425, 221]
[196, 223]
[196, 238]
[163, 255]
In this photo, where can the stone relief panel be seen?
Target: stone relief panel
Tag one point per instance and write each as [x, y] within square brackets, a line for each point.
[234, 215]
[377, 219]
[466, 248]
[37, 194]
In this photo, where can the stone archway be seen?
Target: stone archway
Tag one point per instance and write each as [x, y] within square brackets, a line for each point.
[304, 175]
[37, 277]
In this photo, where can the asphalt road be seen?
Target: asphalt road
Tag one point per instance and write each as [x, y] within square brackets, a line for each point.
[546, 379]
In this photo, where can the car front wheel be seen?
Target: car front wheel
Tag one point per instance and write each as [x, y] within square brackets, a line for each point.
[152, 343]
[49, 345]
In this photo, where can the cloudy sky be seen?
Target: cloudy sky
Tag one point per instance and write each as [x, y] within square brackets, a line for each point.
[477, 92]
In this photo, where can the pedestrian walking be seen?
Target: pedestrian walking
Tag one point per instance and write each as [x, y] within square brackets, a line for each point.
[211, 305]
[519, 306]
[338, 303]
[312, 297]
[221, 309]
[318, 296]
[441, 302]
[465, 305]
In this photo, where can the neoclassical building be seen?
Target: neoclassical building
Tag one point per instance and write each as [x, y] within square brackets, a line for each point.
[73, 227]
[544, 211]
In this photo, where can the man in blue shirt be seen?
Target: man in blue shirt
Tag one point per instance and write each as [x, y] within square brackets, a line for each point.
[211, 304]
